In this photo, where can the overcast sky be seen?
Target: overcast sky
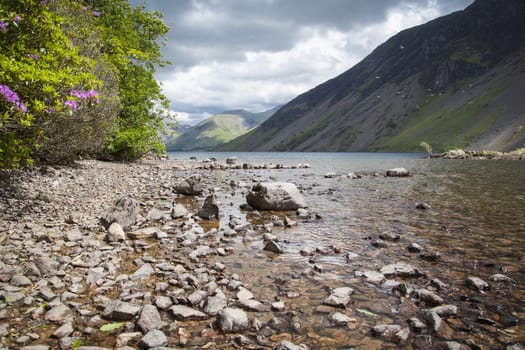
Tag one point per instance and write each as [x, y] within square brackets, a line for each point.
[256, 54]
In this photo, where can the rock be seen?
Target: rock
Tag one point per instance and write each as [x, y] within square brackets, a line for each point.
[190, 186]
[35, 347]
[231, 160]
[476, 283]
[340, 297]
[429, 297]
[286, 345]
[289, 222]
[45, 265]
[120, 311]
[400, 269]
[432, 319]
[163, 302]
[63, 331]
[445, 310]
[124, 339]
[423, 206]
[272, 246]
[397, 172]
[143, 272]
[215, 304]
[386, 331]
[156, 215]
[253, 305]
[416, 324]
[414, 248]
[210, 209]
[378, 243]
[153, 339]
[149, 319]
[374, 276]
[73, 235]
[498, 277]
[275, 196]
[350, 256]
[451, 345]
[58, 313]
[116, 233]
[124, 211]
[182, 313]
[143, 233]
[20, 281]
[338, 318]
[232, 320]
[178, 211]
[430, 256]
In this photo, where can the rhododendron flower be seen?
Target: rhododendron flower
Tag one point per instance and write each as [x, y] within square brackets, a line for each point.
[71, 104]
[2, 26]
[17, 19]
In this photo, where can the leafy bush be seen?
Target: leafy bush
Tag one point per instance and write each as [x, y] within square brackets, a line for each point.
[76, 79]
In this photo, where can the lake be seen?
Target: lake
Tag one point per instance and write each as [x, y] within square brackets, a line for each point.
[476, 225]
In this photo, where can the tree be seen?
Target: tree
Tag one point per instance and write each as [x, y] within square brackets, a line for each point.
[426, 147]
[76, 79]
[131, 44]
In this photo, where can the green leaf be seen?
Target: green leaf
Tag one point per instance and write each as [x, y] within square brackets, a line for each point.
[110, 327]
[367, 313]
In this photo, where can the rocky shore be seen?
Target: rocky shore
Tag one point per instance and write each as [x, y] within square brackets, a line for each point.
[480, 155]
[141, 256]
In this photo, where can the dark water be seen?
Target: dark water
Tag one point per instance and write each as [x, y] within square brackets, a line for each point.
[476, 222]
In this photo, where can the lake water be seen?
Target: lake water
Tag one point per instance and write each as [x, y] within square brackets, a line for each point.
[476, 223]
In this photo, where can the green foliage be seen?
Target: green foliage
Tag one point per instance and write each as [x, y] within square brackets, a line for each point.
[76, 344]
[426, 147]
[110, 327]
[74, 75]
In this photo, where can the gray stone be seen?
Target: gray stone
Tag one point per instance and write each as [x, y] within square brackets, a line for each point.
[445, 310]
[116, 233]
[210, 209]
[58, 313]
[63, 331]
[451, 345]
[20, 281]
[120, 311]
[476, 283]
[149, 319]
[275, 196]
[155, 214]
[153, 339]
[429, 297]
[35, 347]
[46, 265]
[143, 272]
[232, 320]
[274, 247]
[286, 345]
[338, 318]
[74, 235]
[163, 302]
[143, 233]
[397, 172]
[215, 304]
[253, 305]
[400, 269]
[178, 211]
[498, 277]
[340, 297]
[182, 313]
[190, 186]
[386, 331]
[374, 276]
[124, 211]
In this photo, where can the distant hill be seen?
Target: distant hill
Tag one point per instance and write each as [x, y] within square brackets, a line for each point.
[456, 81]
[216, 130]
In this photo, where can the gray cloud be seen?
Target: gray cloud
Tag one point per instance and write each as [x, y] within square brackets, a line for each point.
[255, 53]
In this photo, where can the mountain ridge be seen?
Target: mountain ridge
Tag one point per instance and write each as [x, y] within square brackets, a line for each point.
[453, 82]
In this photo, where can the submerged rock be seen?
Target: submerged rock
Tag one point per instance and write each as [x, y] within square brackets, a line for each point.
[397, 172]
[400, 269]
[275, 196]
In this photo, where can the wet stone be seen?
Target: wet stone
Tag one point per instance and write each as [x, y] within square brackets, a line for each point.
[476, 283]
[374, 276]
[274, 247]
[340, 297]
[339, 318]
[400, 269]
[286, 345]
[429, 297]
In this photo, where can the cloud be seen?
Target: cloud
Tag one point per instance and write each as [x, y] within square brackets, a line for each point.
[257, 54]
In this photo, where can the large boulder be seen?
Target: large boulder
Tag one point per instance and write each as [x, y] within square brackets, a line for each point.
[190, 186]
[124, 212]
[275, 196]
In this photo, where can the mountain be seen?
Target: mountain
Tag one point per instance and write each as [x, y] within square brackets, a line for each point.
[216, 130]
[456, 81]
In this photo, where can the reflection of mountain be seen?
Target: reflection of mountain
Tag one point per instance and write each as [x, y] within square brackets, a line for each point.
[216, 130]
[456, 81]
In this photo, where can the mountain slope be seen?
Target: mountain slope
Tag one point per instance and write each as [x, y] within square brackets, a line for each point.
[453, 82]
[217, 130]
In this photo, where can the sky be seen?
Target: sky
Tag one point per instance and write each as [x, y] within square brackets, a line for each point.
[258, 54]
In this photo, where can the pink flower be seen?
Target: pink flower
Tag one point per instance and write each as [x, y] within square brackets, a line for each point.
[3, 27]
[71, 104]
[17, 19]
